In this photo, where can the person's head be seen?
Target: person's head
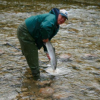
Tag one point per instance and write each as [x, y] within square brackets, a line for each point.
[63, 15]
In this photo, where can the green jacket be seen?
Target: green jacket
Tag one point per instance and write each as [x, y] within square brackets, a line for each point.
[43, 26]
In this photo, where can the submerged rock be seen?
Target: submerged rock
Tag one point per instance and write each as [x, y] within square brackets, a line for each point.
[62, 96]
[24, 89]
[1, 52]
[44, 83]
[89, 57]
[65, 57]
[46, 92]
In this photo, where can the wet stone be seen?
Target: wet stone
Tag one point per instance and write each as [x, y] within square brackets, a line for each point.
[62, 96]
[9, 95]
[8, 75]
[44, 83]
[46, 92]
[25, 81]
[18, 53]
[98, 60]
[73, 30]
[24, 94]
[29, 76]
[95, 73]
[24, 89]
[65, 57]
[18, 97]
[18, 90]
[32, 98]
[1, 52]
[41, 99]
[75, 68]
[16, 74]
[89, 57]
[16, 85]
[25, 98]
[12, 95]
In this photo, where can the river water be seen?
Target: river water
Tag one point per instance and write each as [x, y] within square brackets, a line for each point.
[77, 47]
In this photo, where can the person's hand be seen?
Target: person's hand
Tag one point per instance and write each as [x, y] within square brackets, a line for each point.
[45, 40]
[48, 56]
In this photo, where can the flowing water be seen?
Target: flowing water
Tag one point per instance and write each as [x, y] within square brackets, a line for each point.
[77, 47]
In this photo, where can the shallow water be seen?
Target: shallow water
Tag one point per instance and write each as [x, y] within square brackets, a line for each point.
[78, 39]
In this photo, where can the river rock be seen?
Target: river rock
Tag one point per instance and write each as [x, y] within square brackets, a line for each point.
[24, 94]
[24, 89]
[12, 95]
[73, 30]
[44, 83]
[18, 90]
[1, 52]
[89, 57]
[65, 57]
[46, 92]
[40, 99]
[61, 96]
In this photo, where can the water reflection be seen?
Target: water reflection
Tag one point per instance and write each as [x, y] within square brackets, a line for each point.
[78, 37]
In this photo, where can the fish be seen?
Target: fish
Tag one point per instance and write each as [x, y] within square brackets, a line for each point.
[52, 55]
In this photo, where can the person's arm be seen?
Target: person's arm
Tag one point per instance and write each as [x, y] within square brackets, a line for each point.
[47, 28]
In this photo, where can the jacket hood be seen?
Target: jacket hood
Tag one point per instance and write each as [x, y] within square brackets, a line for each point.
[55, 11]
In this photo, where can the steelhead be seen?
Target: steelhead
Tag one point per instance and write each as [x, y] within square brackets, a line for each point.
[52, 55]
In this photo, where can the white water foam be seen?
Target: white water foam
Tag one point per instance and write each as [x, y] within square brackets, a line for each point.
[58, 71]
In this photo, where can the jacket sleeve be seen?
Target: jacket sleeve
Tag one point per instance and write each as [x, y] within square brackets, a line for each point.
[47, 27]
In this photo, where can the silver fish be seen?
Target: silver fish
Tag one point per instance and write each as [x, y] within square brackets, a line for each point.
[52, 55]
